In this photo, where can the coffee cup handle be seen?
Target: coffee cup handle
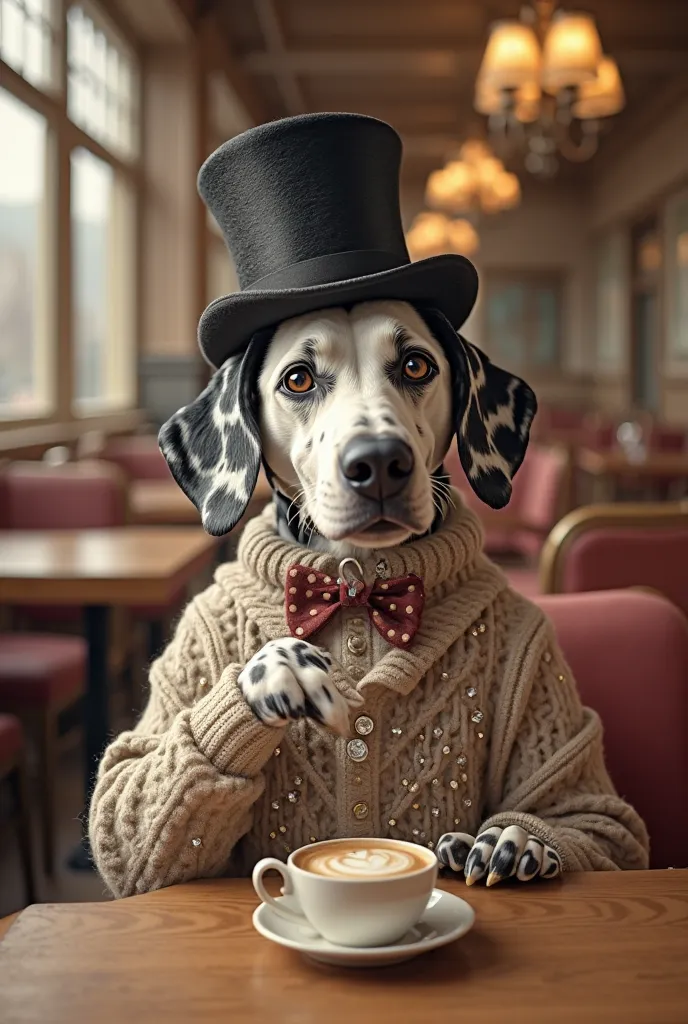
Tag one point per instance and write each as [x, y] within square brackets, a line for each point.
[293, 916]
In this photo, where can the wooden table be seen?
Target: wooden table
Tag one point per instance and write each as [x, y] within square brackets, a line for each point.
[98, 569]
[591, 948]
[607, 467]
[163, 503]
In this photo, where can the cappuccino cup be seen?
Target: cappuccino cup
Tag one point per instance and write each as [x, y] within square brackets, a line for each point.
[352, 892]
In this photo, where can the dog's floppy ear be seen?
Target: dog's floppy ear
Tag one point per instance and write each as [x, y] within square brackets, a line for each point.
[212, 446]
[493, 412]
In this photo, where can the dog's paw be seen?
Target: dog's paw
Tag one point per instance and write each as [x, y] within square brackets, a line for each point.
[288, 679]
[501, 853]
[453, 848]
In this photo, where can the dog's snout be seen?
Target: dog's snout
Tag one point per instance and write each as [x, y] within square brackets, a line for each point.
[377, 467]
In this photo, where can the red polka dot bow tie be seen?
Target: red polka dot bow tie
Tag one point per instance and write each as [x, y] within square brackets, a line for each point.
[394, 606]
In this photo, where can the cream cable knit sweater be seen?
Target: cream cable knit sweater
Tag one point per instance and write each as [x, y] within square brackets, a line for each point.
[478, 724]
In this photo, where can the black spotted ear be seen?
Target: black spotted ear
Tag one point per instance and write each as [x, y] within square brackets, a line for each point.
[493, 426]
[493, 413]
[212, 446]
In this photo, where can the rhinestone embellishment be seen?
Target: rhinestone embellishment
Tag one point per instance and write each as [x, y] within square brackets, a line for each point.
[477, 716]
[392, 822]
[364, 725]
[462, 760]
[445, 675]
[414, 787]
[297, 780]
[396, 731]
[357, 750]
[435, 811]
[292, 797]
[437, 732]
[454, 784]
[195, 842]
[471, 691]
[446, 749]
[360, 811]
[467, 801]
[275, 805]
[282, 829]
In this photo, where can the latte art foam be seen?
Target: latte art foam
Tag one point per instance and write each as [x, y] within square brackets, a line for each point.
[353, 862]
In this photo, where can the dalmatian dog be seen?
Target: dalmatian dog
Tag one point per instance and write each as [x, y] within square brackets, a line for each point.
[351, 411]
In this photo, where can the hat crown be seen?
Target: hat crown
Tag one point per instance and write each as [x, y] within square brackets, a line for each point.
[306, 187]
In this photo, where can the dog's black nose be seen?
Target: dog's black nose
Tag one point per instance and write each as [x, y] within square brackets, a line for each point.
[377, 467]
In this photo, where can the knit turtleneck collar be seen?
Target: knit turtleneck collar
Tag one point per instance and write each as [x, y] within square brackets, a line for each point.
[444, 555]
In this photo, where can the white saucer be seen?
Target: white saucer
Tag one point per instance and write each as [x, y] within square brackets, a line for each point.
[446, 918]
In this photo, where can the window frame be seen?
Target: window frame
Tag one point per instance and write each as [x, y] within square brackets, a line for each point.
[551, 277]
[63, 136]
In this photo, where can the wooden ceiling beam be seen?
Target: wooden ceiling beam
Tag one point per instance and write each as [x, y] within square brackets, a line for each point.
[286, 79]
[203, 20]
[460, 62]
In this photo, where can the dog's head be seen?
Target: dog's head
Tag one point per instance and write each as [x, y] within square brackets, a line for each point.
[352, 412]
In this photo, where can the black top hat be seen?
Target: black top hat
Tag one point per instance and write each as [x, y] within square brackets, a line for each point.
[309, 208]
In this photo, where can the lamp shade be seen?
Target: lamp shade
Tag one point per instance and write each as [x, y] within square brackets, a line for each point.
[462, 237]
[433, 234]
[427, 235]
[604, 95]
[512, 56]
[452, 187]
[572, 51]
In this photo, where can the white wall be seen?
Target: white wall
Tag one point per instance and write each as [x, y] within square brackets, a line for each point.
[547, 231]
[654, 165]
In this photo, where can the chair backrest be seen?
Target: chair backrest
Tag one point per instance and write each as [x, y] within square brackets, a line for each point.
[628, 652]
[139, 457]
[668, 439]
[605, 547]
[76, 495]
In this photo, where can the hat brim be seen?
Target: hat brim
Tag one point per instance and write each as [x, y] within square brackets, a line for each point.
[448, 282]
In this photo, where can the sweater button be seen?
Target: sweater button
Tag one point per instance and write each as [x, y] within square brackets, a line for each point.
[360, 810]
[364, 725]
[357, 750]
[357, 644]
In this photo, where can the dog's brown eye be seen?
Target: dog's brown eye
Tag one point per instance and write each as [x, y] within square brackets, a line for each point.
[299, 380]
[417, 367]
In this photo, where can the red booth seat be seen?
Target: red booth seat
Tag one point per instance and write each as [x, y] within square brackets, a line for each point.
[628, 652]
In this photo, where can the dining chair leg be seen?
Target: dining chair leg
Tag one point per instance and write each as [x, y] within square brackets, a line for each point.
[22, 807]
[47, 747]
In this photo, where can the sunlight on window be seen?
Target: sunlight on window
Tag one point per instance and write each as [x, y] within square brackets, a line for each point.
[102, 92]
[24, 304]
[103, 285]
[27, 39]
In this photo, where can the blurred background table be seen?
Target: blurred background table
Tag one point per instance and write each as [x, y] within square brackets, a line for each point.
[593, 947]
[608, 467]
[98, 570]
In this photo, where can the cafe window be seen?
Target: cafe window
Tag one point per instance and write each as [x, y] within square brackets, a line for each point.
[24, 263]
[28, 39]
[102, 92]
[103, 285]
[523, 319]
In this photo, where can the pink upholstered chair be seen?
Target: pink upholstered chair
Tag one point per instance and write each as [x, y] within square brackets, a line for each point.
[605, 547]
[71, 496]
[138, 457]
[539, 497]
[628, 652]
[13, 769]
[40, 676]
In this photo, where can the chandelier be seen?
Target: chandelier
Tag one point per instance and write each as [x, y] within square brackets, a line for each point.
[476, 181]
[546, 86]
[433, 233]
